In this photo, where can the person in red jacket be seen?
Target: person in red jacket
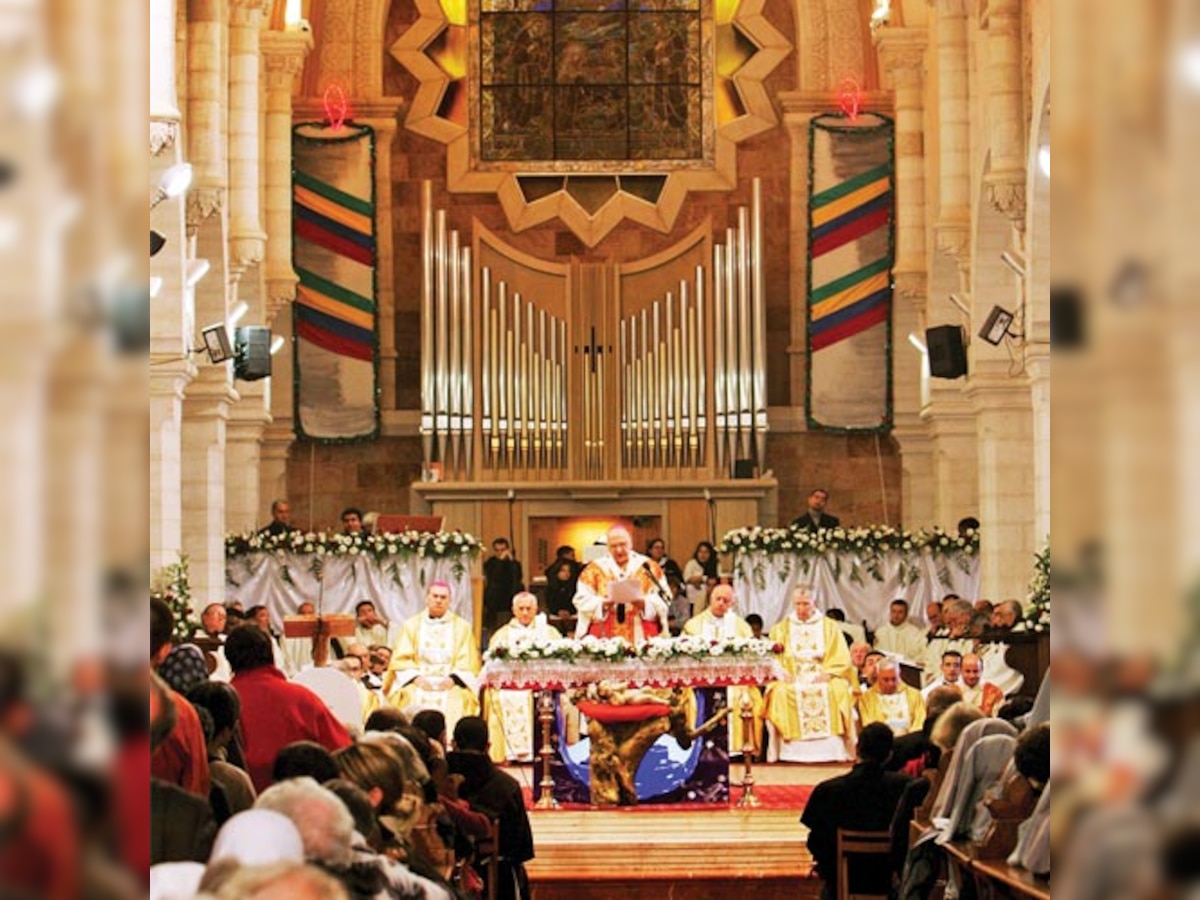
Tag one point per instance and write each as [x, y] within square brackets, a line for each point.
[275, 712]
[182, 758]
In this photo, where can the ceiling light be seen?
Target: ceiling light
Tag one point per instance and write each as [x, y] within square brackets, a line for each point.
[196, 269]
[174, 182]
[1013, 263]
[238, 312]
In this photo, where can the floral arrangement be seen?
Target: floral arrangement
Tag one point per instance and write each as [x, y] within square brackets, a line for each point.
[657, 649]
[172, 585]
[866, 546]
[381, 547]
[1037, 607]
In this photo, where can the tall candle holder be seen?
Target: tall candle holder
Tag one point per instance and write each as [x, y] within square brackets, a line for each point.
[545, 717]
[746, 711]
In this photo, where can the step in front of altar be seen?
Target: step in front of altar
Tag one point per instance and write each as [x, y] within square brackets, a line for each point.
[610, 848]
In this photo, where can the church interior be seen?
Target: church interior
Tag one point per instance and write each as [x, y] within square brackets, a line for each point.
[764, 281]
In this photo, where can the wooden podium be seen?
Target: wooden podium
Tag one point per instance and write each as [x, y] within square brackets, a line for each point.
[320, 628]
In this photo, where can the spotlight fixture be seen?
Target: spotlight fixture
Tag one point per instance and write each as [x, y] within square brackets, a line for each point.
[158, 240]
[216, 342]
[995, 329]
[174, 182]
[1013, 263]
[1044, 159]
[156, 284]
[277, 343]
[918, 343]
[35, 90]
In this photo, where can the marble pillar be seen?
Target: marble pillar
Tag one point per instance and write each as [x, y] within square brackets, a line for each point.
[246, 236]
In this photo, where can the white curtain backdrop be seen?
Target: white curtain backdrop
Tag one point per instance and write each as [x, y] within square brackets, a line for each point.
[763, 583]
[397, 587]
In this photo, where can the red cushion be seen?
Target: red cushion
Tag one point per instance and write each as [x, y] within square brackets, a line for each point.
[633, 712]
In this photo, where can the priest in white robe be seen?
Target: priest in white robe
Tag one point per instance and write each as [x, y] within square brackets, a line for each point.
[603, 579]
[719, 621]
[811, 713]
[435, 662]
[510, 714]
[891, 701]
[899, 636]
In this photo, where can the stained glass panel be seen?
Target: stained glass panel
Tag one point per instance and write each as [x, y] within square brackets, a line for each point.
[602, 80]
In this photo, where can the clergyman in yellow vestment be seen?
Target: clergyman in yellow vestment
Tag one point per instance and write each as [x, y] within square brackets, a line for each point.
[435, 662]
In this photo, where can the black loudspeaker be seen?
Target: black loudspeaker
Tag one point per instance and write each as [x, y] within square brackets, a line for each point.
[252, 353]
[947, 351]
[743, 468]
[1067, 318]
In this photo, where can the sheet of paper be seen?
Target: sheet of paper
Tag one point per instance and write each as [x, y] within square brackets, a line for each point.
[626, 590]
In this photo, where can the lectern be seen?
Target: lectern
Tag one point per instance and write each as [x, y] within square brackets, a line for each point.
[320, 628]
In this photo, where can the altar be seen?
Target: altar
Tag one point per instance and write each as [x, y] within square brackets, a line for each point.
[657, 730]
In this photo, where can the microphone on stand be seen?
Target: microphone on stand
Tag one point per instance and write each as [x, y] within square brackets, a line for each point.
[666, 595]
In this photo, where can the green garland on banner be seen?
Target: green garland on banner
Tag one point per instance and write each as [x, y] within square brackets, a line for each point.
[886, 124]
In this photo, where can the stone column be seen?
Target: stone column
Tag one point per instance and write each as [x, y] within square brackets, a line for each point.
[1005, 115]
[951, 423]
[383, 119]
[1037, 366]
[954, 131]
[164, 109]
[205, 413]
[206, 110]
[246, 236]
[902, 59]
[799, 107]
[283, 58]
[1004, 425]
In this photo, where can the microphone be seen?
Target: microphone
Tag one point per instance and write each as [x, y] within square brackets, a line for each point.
[649, 571]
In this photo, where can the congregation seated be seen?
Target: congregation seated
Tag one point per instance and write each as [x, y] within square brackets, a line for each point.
[864, 799]
[811, 712]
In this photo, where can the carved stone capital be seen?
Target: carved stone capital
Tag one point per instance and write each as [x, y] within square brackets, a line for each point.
[281, 291]
[162, 136]
[283, 54]
[246, 250]
[902, 48]
[953, 238]
[202, 202]
[1006, 193]
[910, 286]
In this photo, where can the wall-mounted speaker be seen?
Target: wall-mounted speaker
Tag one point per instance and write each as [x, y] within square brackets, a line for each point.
[947, 351]
[252, 353]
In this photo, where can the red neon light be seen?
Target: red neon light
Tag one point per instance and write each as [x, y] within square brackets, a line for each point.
[336, 106]
[850, 98]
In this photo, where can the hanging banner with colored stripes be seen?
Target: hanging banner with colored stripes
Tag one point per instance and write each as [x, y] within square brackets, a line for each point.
[850, 247]
[335, 316]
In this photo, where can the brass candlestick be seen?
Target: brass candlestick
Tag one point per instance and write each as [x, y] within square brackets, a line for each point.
[546, 716]
[746, 712]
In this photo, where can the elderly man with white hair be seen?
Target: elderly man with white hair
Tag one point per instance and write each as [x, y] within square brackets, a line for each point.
[327, 832]
[622, 594]
[891, 701]
[509, 714]
[720, 621]
[811, 713]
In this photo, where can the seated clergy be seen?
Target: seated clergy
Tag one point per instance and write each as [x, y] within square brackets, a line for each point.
[510, 714]
[811, 712]
[891, 701]
[899, 636]
[435, 660]
[720, 621]
[975, 690]
[621, 572]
